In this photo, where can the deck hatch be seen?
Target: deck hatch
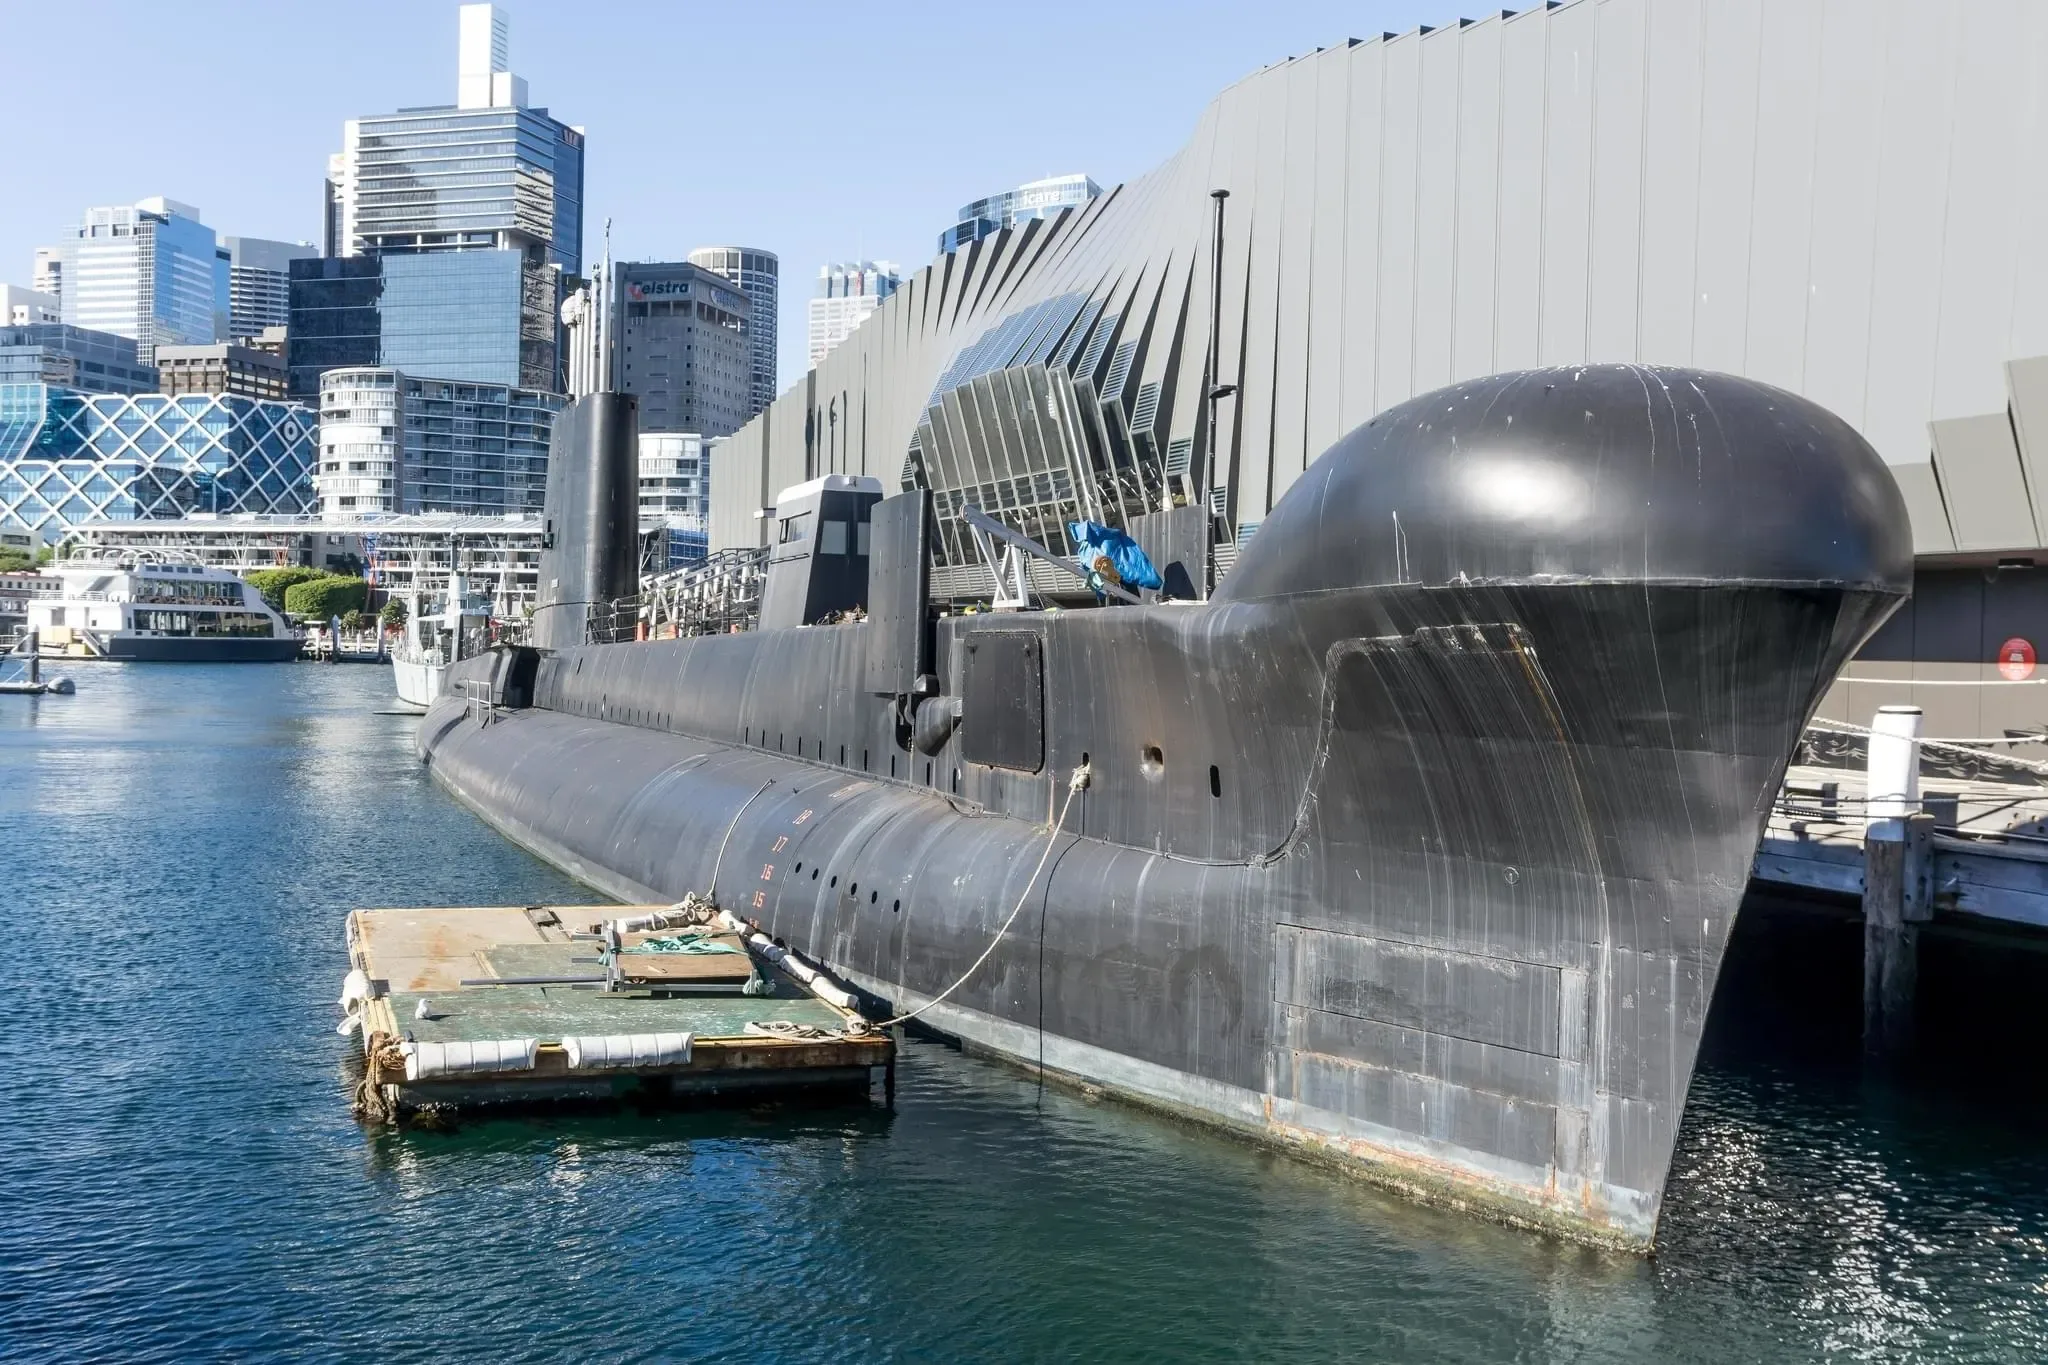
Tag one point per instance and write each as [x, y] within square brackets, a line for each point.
[1002, 722]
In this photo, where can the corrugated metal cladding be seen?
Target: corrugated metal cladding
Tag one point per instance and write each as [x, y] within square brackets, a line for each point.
[1848, 198]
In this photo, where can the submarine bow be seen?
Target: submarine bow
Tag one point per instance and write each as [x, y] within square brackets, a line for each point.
[1418, 845]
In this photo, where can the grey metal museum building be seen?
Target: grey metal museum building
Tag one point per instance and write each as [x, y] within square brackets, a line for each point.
[1846, 200]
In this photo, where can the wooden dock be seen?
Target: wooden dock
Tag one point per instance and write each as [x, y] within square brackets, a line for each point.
[524, 1004]
[1987, 845]
[1969, 847]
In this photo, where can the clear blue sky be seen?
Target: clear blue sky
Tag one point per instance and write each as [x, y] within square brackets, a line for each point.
[817, 131]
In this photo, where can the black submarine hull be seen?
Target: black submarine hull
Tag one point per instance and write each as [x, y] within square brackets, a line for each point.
[1418, 845]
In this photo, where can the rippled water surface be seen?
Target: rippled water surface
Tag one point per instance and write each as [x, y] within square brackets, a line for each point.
[182, 1179]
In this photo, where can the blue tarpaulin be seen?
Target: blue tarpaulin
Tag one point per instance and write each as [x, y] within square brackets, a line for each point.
[1094, 542]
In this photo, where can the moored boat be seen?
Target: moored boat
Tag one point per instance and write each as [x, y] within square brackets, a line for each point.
[156, 606]
[431, 642]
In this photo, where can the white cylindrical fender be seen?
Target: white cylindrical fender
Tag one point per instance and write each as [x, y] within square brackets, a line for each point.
[815, 980]
[612, 1050]
[1893, 774]
[425, 1061]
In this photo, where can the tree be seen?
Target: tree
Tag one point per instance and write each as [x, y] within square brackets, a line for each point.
[393, 615]
[354, 620]
[14, 561]
[325, 597]
[274, 583]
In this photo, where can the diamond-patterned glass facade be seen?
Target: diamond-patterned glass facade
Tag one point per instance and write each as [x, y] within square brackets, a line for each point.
[68, 457]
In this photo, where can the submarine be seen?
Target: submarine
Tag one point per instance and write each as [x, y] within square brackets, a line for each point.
[1414, 844]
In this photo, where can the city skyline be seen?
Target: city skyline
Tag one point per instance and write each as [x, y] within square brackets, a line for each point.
[732, 171]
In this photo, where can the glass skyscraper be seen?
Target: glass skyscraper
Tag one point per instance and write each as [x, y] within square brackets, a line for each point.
[1039, 199]
[335, 320]
[68, 457]
[470, 216]
[259, 283]
[149, 271]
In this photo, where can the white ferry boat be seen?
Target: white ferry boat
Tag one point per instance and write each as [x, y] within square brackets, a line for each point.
[148, 605]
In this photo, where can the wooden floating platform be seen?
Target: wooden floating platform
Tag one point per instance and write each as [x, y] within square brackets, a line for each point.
[678, 1025]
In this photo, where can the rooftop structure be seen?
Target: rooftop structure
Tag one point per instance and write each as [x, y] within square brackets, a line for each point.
[19, 307]
[1039, 199]
[49, 273]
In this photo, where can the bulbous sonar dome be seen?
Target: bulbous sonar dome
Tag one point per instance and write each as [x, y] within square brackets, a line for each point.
[1597, 473]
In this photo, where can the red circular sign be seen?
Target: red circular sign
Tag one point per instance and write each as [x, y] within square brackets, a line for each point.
[2016, 659]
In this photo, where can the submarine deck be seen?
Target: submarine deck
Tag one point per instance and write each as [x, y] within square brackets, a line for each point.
[497, 975]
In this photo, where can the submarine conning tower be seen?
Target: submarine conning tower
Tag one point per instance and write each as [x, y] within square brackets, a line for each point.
[1419, 842]
[590, 540]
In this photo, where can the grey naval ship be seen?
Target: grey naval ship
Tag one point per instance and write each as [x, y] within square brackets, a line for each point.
[1410, 831]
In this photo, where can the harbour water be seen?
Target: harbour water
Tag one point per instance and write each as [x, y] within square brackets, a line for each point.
[183, 1179]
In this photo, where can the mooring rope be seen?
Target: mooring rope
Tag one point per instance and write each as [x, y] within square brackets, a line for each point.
[1075, 786]
[712, 893]
[1959, 745]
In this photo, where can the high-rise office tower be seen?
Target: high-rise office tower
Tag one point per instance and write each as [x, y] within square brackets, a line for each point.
[684, 347]
[758, 273]
[149, 271]
[49, 272]
[259, 283]
[465, 219]
[333, 214]
[1039, 199]
[848, 293]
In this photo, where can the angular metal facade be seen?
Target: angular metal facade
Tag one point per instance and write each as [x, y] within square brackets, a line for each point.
[1844, 198]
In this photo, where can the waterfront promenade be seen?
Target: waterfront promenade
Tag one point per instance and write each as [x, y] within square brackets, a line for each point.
[184, 1180]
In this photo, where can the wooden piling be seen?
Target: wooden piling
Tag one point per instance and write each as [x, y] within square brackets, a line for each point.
[1898, 897]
